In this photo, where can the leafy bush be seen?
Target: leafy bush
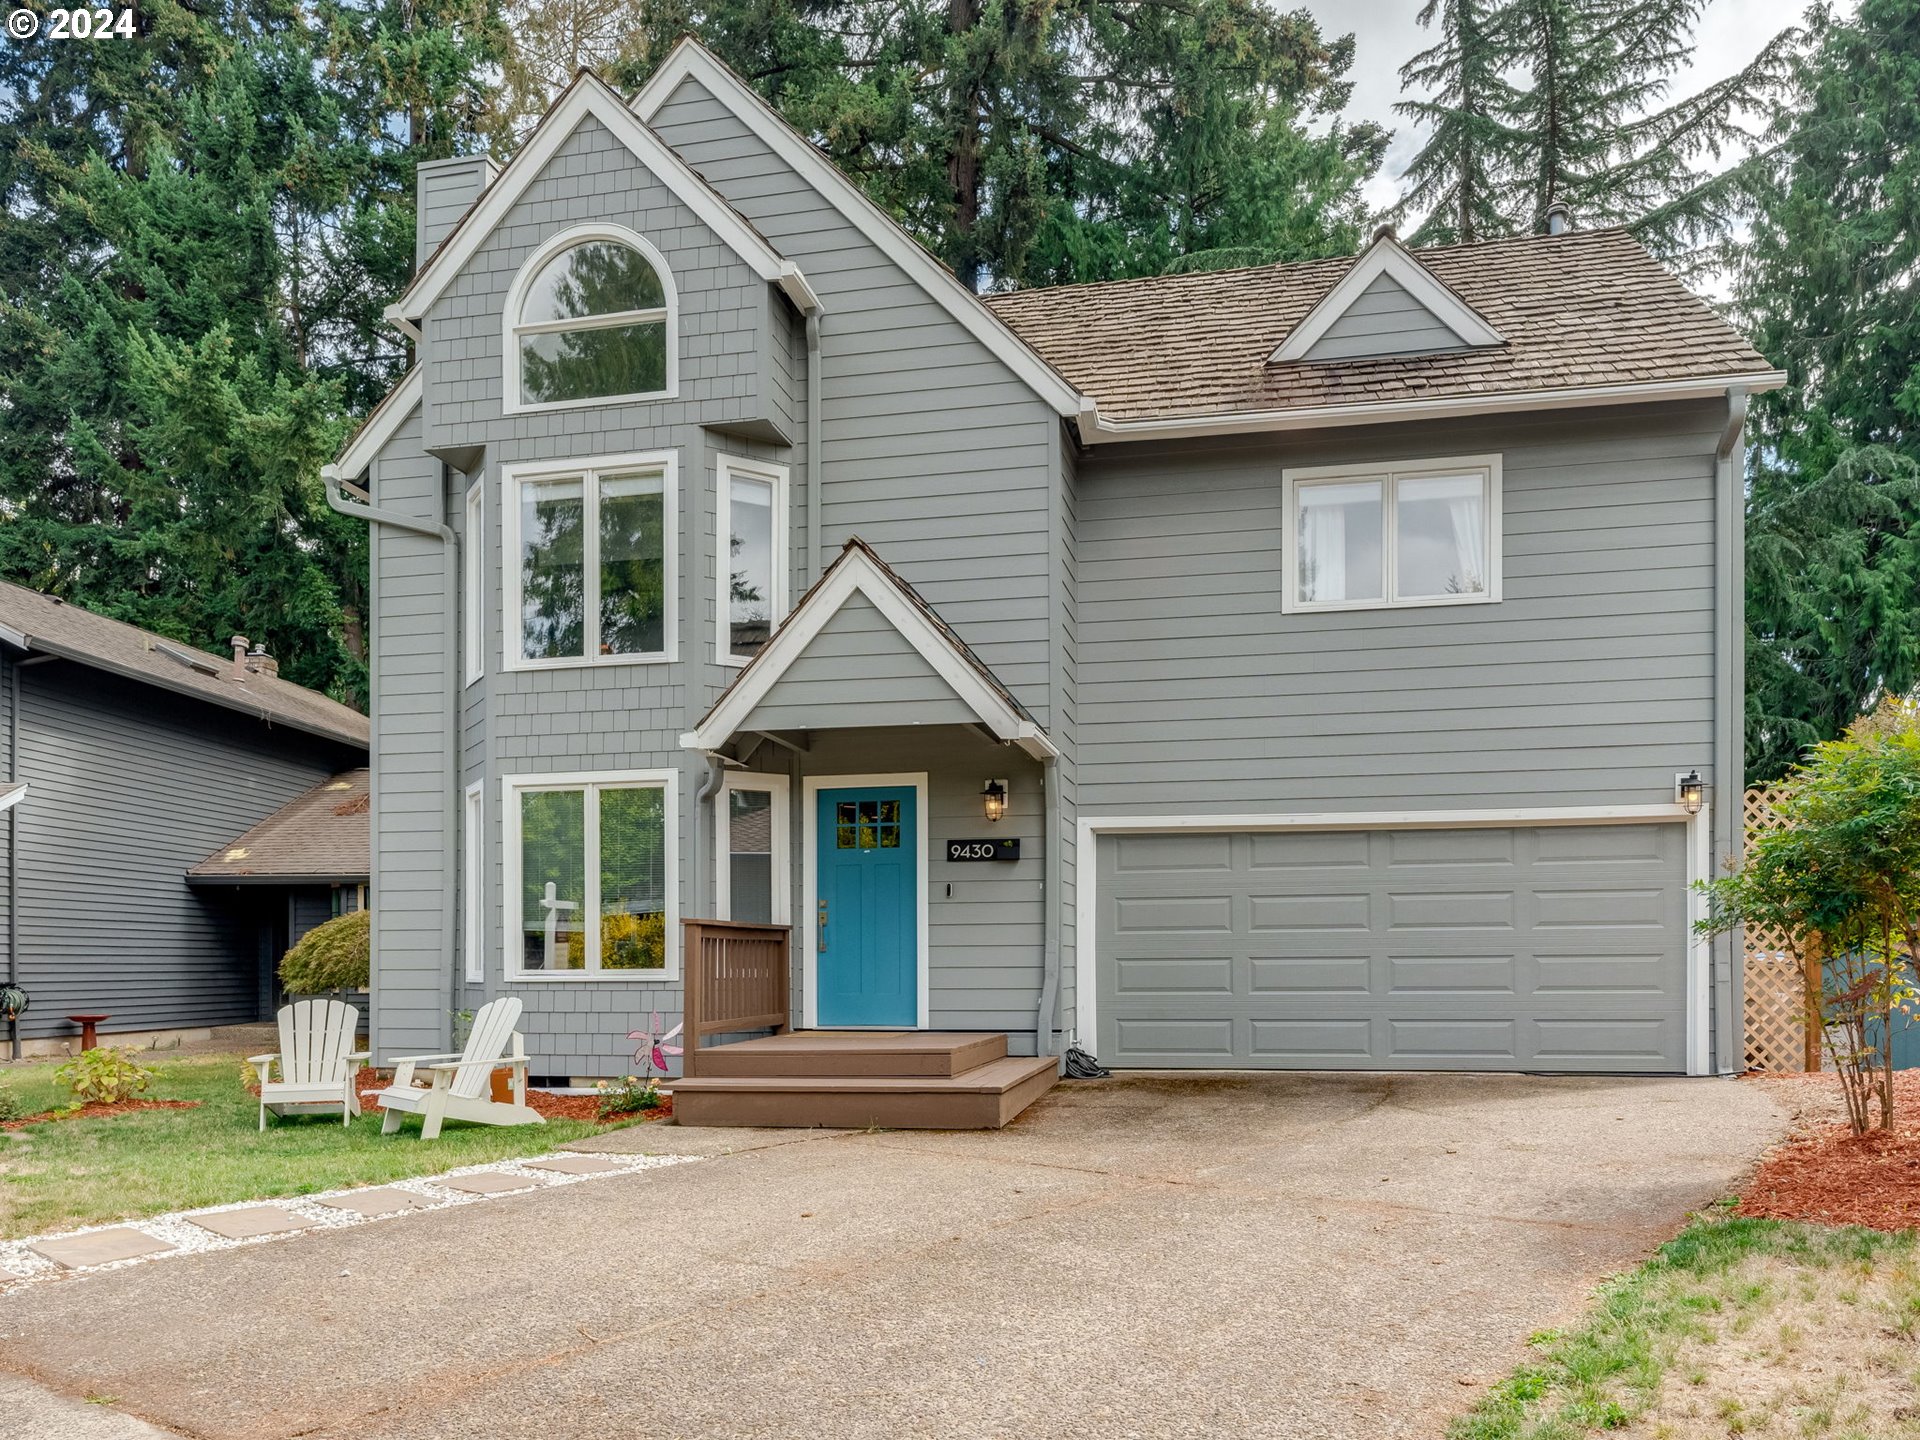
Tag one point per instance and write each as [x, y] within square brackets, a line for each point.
[335, 956]
[10, 1106]
[628, 1094]
[106, 1073]
[627, 942]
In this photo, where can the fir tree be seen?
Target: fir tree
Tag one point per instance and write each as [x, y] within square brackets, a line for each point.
[1460, 178]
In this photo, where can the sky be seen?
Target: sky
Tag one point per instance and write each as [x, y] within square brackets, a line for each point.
[1387, 35]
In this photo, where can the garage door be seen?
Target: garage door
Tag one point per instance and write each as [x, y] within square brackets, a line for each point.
[1531, 948]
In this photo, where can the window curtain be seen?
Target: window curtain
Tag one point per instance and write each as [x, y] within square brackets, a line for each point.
[1323, 552]
[1470, 538]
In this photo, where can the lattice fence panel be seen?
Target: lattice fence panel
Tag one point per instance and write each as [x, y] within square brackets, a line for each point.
[1776, 1001]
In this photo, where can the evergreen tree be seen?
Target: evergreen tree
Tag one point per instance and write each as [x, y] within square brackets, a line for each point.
[1828, 283]
[1460, 178]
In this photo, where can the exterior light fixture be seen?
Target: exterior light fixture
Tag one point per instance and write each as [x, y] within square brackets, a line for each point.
[1690, 790]
[994, 797]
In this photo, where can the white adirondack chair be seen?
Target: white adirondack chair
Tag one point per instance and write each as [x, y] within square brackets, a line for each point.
[460, 1087]
[317, 1061]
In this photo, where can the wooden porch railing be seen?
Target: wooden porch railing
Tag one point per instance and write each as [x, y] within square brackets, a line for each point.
[736, 979]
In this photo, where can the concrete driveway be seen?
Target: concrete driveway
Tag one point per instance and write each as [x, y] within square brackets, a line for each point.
[1149, 1256]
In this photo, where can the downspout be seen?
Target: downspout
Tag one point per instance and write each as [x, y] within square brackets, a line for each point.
[1051, 894]
[704, 864]
[1729, 694]
[812, 568]
[360, 507]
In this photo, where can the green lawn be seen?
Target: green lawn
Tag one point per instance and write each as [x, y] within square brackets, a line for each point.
[82, 1172]
[1757, 1329]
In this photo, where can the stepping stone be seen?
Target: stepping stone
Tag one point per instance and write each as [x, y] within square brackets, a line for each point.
[576, 1165]
[371, 1203]
[102, 1247]
[488, 1182]
[252, 1221]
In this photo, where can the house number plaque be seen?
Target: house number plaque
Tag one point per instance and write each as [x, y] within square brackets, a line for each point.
[983, 849]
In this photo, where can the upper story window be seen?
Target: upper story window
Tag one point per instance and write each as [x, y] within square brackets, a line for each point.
[1362, 537]
[752, 568]
[591, 319]
[589, 553]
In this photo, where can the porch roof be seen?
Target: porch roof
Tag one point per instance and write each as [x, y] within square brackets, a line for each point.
[860, 573]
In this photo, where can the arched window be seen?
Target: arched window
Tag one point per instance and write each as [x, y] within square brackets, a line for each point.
[592, 319]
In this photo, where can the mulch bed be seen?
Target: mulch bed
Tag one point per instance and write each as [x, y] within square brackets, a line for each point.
[96, 1109]
[1824, 1172]
[548, 1106]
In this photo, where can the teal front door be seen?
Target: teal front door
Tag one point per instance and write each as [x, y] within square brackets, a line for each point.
[867, 913]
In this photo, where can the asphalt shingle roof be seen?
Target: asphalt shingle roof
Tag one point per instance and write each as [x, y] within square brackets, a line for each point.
[321, 837]
[1583, 309]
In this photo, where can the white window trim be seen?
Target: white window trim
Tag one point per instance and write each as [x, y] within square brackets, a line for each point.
[473, 561]
[512, 329]
[1699, 959]
[588, 471]
[811, 786]
[727, 467]
[775, 785]
[472, 846]
[512, 787]
[1389, 474]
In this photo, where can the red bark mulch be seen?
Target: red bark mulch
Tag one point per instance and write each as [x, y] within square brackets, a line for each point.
[549, 1106]
[1824, 1172]
[94, 1109]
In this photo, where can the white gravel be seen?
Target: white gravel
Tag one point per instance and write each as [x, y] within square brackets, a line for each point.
[21, 1265]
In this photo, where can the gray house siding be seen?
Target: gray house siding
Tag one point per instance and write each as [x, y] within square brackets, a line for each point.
[1384, 319]
[859, 656]
[127, 788]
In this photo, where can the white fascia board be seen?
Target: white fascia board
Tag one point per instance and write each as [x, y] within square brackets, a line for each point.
[1249, 422]
[387, 417]
[1386, 256]
[12, 795]
[692, 60]
[591, 96]
[855, 574]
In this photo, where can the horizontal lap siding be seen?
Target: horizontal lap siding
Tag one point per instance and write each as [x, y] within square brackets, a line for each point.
[1384, 319]
[1590, 683]
[127, 789]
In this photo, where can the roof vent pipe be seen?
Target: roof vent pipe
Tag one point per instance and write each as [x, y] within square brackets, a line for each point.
[239, 644]
[1559, 218]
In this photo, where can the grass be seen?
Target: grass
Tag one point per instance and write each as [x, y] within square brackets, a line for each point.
[81, 1172]
[1750, 1328]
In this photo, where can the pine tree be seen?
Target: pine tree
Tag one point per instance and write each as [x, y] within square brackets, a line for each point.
[1460, 180]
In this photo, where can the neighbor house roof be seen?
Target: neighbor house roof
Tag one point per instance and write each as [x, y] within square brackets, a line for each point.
[319, 838]
[46, 625]
[1586, 317]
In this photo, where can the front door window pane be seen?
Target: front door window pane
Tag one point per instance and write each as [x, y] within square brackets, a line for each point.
[1441, 536]
[750, 564]
[553, 879]
[633, 879]
[633, 571]
[750, 855]
[552, 569]
[1342, 534]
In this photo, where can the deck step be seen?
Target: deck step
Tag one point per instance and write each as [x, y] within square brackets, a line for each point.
[848, 1054]
[984, 1097]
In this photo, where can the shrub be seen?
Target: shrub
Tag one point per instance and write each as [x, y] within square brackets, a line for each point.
[10, 1106]
[628, 1094]
[335, 956]
[627, 942]
[106, 1073]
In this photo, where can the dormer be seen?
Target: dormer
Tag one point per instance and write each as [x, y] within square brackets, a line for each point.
[1387, 304]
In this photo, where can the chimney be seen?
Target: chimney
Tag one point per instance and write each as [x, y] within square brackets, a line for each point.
[239, 644]
[443, 190]
[1559, 218]
[261, 663]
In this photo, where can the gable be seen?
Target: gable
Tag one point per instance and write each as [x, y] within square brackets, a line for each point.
[1356, 304]
[858, 670]
[1384, 319]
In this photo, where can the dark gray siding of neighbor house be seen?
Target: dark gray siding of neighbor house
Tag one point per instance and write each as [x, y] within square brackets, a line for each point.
[1384, 319]
[128, 786]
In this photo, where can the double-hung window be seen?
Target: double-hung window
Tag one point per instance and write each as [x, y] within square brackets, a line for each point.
[590, 563]
[752, 568]
[592, 870]
[752, 854]
[1361, 537]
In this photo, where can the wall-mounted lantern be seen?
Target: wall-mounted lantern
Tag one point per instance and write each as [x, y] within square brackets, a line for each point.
[1690, 790]
[994, 799]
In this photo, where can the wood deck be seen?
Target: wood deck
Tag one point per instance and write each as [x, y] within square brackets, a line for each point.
[893, 1079]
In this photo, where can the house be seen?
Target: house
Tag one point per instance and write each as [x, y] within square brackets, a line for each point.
[130, 758]
[1326, 665]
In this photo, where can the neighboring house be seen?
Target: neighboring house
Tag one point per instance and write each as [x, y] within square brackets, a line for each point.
[1338, 634]
[138, 756]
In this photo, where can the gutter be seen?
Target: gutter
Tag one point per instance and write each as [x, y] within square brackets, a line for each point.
[1729, 709]
[811, 571]
[337, 488]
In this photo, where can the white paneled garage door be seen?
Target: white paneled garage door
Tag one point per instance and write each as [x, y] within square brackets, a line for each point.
[1552, 947]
